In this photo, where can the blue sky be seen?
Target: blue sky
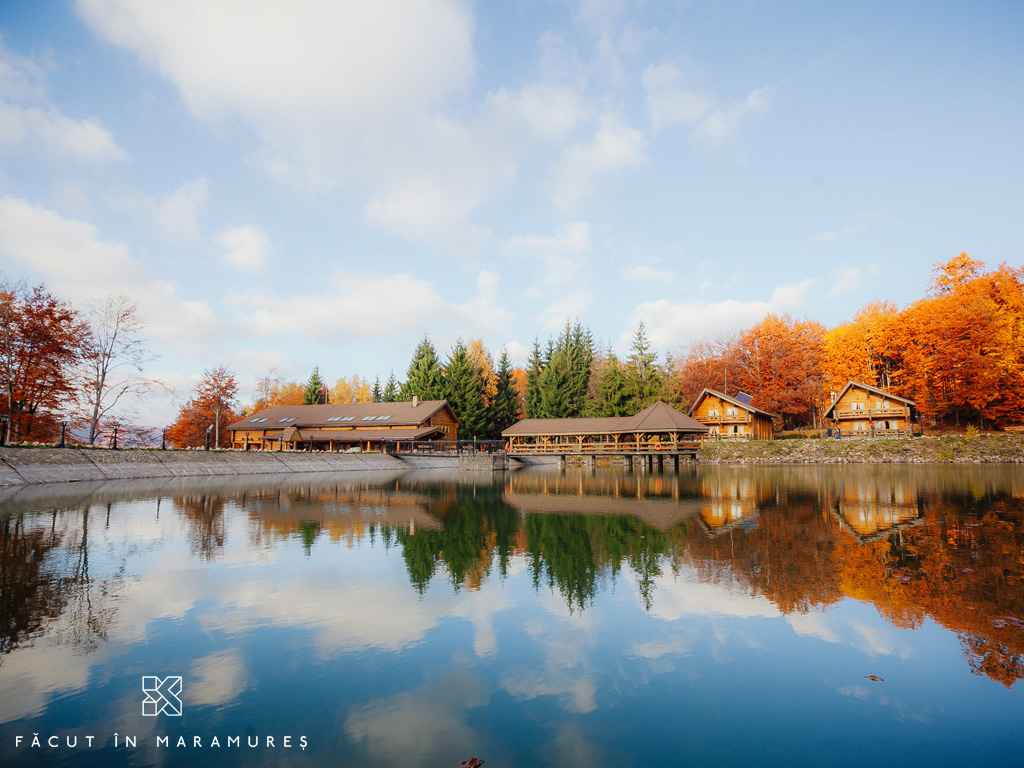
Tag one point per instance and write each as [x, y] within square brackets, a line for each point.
[320, 183]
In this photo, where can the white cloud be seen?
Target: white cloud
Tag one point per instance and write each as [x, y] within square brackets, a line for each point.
[615, 146]
[175, 214]
[247, 248]
[79, 266]
[670, 102]
[846, 280]
[572, 238]
[670, 325]
[27, 119]
[864, 221]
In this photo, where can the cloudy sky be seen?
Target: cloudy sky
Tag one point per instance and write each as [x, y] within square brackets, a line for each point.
[324, 181]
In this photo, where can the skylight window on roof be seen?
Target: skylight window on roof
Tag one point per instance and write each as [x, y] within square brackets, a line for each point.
[255, 421]
[346, 418]
[384, 417]
[369, 418]
[286, 421]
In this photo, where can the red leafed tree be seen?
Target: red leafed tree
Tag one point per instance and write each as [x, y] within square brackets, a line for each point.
[41, 339]
[778, 361]
[210, 407]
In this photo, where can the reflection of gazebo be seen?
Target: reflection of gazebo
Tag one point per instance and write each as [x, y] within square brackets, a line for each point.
[658, 429]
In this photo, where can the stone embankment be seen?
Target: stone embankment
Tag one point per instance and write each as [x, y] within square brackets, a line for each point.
[950, 449]
[28, 466]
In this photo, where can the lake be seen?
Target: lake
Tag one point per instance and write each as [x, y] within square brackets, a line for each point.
[725, 616]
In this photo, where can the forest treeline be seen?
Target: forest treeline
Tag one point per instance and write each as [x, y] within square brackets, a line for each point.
[958, 352]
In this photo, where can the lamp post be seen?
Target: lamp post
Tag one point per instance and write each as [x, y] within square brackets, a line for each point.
[4, 418]
[163, 440]
[208, 436]
[63, 428]
[116, 427]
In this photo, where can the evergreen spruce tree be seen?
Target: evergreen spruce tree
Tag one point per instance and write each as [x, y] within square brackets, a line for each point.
[504, 410]
[566, 377]
[612, 395]
[423, 378]
[314, 390]
[463, 393]
[392, 390]
[534, 370]
[671, 386]
[643, 376]
[377, 394]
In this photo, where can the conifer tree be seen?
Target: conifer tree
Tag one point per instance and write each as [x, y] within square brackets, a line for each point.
[392, 390]
[423, 378]
[534, 370]
[643, 377]
[611, 397]
[378, 394]
[504, 410]
[462, 391]
[313, 391]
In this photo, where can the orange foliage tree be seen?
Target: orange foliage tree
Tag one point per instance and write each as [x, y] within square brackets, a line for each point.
[41, 340]
[210, 407]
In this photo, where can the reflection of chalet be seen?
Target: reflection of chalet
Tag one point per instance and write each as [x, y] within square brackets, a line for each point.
[659, 428]
[345, 426]
[872, 510]
[730, 501]
[732, 418]
[860, 410]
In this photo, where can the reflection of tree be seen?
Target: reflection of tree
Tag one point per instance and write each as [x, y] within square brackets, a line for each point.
[205, 518]
[478, 529]
[30, 593]
[45, 578]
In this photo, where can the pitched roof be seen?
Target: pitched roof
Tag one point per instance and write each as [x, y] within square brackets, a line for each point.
[869, 388]
[402, 413]
[303, 435]
[733, 400]
[659, 417]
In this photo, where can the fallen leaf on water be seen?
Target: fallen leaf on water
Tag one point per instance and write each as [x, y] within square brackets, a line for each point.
[876, 678]
[473, 762]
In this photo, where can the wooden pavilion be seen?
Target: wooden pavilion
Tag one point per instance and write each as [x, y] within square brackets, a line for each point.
[860, 410]
[658, 429]
[732, 418]
[345, 426]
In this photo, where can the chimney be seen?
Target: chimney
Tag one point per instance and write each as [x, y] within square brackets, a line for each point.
[415, 400]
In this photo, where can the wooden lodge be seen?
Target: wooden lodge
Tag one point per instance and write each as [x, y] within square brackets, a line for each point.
[345, 426]
[860, 410]
[732, 418]
[659, 429]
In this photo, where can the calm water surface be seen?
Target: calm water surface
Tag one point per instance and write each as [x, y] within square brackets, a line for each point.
[727, 616]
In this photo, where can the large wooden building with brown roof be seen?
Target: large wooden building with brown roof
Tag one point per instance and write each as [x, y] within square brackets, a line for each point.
[659, 428]
[345, 426]
[860, 410]
[732, 418]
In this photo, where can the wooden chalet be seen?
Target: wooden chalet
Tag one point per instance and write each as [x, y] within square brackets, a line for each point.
[657, 429]
[732, 418]
[345, 426]
[860, 410]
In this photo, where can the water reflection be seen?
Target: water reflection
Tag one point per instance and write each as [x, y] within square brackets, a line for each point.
[411, 607]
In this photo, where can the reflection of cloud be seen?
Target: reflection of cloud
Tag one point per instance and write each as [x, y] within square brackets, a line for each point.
[687, 596]
[425, 726]
[570, 747]
[812, 625]
[574, 694]
[655, 649]
[216, 679]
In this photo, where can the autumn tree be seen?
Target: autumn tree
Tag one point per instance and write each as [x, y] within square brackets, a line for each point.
[210, 407]
[41, 341]
[113, 358]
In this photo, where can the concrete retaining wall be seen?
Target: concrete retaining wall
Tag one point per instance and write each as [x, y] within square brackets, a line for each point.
[28, 466]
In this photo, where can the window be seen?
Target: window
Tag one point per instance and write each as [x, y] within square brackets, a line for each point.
[713, 412]
[730, 411]
[369, 418]
[286, 421]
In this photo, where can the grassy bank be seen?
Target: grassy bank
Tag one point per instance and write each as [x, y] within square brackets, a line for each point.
[948, 449]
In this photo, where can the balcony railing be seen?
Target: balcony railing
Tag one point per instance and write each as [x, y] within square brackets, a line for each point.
[877, 413]
[602, 448]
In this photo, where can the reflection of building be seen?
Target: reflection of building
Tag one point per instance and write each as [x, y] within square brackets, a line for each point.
[729, 501]
[860, 410]
[732, 418]
[659, 428]
[876, 509]
[345, 426]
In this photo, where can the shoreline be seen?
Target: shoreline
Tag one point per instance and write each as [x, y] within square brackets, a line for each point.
[30, 466]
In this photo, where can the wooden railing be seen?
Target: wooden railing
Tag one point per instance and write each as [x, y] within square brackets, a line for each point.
[602, 448]
[871, 413]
